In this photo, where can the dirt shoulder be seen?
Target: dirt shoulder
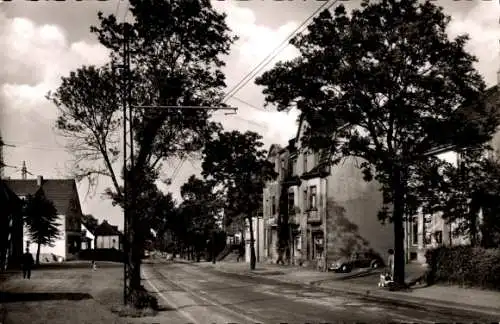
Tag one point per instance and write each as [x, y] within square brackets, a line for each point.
[64, 294]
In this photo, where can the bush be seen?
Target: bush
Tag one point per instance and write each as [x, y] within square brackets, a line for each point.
[465, 266]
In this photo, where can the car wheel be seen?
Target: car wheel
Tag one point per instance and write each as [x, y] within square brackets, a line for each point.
[375, 265]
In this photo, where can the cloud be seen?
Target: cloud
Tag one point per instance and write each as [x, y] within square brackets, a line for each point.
[39, 48]
[481, 23]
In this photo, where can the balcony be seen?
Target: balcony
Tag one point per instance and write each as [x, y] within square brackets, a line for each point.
[313, 216]
[294, 219]
[272, 221]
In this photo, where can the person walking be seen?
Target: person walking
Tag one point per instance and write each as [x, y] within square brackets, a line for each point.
[390, 263]
[27, 264]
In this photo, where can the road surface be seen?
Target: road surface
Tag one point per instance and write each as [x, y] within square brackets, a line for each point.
[196, 294]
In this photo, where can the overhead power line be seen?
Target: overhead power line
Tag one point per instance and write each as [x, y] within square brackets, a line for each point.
[250, 75]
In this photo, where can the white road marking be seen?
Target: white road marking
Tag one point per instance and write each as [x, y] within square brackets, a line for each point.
[170, 302]
[214, 303]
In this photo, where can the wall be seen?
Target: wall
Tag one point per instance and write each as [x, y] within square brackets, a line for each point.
[59, 249]
[270, 236]
[90, 238]
[258, 232]
[352, 207]
[106, 242]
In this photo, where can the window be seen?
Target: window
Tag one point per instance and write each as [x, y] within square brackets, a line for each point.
[312, 198]
[414, 230]
[306, 206]
[273, 205]
[294, 167]
[283, 167]
[439, 237]
[291, 203]
[305, 161]
[314, 159]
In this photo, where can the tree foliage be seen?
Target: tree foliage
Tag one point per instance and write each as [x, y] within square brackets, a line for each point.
[176, 50]
[237, 162]
[41, 219]
[200, 212]
[90, 222]
[467, 190]
[383, 84]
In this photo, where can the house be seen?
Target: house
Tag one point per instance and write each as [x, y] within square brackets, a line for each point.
[64, 194]
[332, 211]
[11, 227]
[107, 236]
[427, 231]
[258, 236]
[88, 238]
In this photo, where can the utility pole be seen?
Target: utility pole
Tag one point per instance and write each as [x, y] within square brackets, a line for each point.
[130, 225]
[125, 96]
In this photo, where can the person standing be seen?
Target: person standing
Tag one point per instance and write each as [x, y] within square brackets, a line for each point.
[390, 263]
[27, 264]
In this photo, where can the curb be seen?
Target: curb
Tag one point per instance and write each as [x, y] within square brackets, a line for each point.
[410, 301]
[381, 297]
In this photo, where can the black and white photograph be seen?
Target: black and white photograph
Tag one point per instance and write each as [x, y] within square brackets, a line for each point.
[249, 161]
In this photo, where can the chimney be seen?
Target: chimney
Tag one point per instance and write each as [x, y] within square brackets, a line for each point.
[39, 180]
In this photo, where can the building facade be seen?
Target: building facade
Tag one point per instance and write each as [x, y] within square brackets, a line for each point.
[63, 193]
[10, 227]
[107, 236]
[331, 210]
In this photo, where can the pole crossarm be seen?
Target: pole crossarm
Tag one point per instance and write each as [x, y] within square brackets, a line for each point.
[188, 107]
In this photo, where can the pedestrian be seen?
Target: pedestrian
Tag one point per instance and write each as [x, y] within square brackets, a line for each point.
[241, 253]
[27, 264]
[390, 263]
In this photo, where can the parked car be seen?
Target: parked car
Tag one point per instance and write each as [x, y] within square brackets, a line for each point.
[356, 261]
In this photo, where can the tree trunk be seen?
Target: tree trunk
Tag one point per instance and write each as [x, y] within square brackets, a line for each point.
[253, 258]
[214, 255]
[398, 220]
[38, 254]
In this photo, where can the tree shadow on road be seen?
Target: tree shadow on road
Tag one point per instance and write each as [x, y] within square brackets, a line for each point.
[11, 297]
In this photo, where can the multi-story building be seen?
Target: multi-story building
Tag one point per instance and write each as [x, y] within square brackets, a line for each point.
[64, 194]
[334, 211]
[426, 231]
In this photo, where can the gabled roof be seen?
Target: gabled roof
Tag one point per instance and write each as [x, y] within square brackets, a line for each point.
[275, 148]
[60, 191]
[8, 198]
[106, 229]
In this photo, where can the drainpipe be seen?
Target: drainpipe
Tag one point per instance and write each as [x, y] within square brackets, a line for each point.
[325, 228]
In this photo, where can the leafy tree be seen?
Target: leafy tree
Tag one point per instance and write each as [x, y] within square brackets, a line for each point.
[152, 206]
[202, 207]
[41, 220]
[237, 162]
[175, 53]
[466, 190]
[383, 84]
[90, 222]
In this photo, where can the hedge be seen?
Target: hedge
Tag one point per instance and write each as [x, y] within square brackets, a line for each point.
[464, 266]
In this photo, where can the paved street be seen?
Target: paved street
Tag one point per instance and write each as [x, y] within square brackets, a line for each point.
[201, 295]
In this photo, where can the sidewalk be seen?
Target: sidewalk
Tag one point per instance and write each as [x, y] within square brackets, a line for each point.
[364, 284]
[64, 295]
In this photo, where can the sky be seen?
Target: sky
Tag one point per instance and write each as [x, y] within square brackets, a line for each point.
[45, 40]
